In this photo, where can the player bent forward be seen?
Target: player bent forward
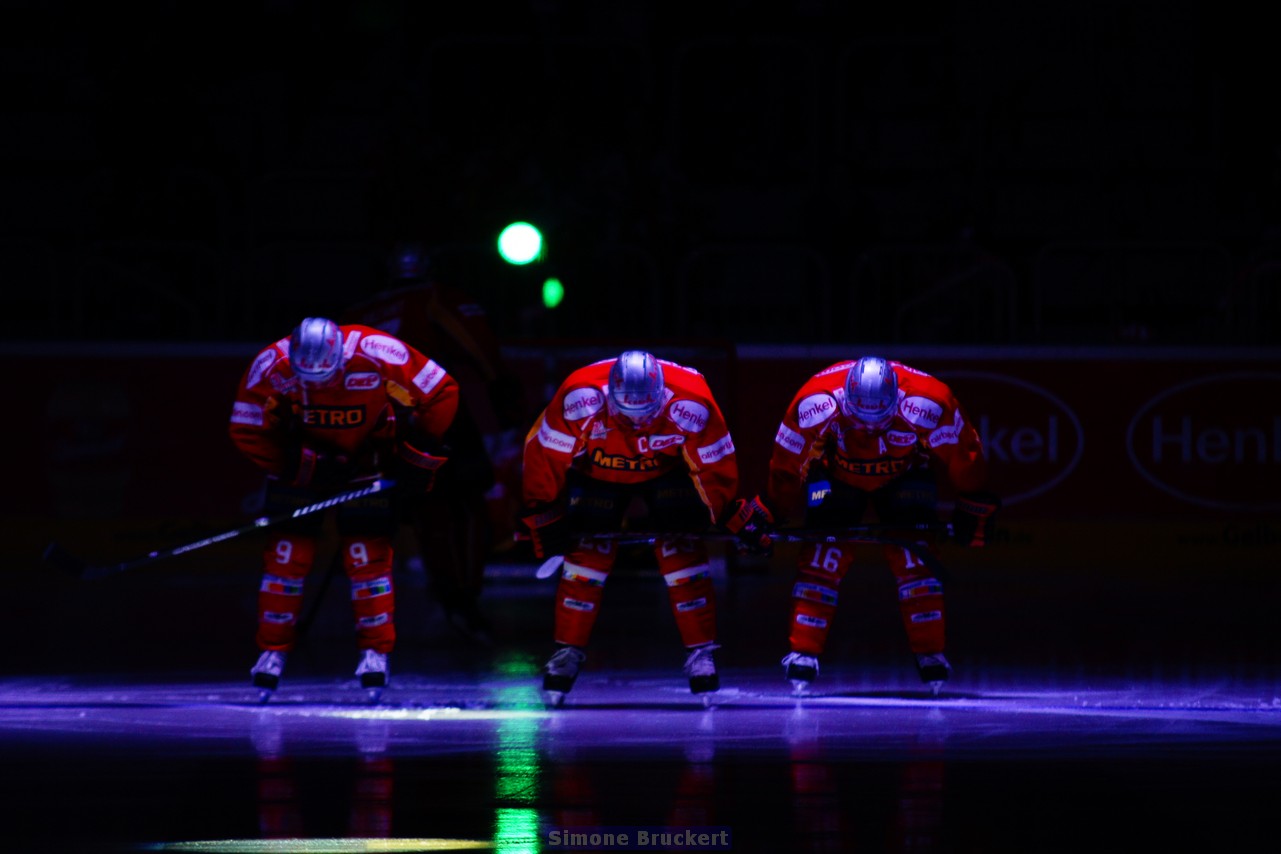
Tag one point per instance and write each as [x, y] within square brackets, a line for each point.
[316, 411]
[874, 432]
[619, 430]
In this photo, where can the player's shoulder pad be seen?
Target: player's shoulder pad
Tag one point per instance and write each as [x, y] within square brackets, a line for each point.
[376, 345]
[923, 400]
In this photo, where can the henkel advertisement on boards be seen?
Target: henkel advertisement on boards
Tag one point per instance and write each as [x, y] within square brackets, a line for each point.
[1170, 456]
[1166, 457]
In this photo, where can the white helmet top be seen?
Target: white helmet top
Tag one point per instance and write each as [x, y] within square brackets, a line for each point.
[315, 351]
[636, 388]
[871, 392]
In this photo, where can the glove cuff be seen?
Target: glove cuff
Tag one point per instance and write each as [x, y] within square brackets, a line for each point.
[536, 518]
[978, 503]
[743, 513]
[305, 472]
[410, 455]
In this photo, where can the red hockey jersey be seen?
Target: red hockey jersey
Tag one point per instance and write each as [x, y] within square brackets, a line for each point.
[929, 427]
[383, 380]
[577, 430]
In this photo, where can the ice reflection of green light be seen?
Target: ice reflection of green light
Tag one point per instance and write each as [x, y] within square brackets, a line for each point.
[517, 774]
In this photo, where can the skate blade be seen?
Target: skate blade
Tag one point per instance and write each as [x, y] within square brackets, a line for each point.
[709, 700]
[374, 694]
[554, 699]
[936, 687]
[264, 694]
[799, 687]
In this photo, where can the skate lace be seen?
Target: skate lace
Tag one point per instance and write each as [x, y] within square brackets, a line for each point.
[566, 660]
[800, 659]
[373, 662]
[270, 662]
[700, 661]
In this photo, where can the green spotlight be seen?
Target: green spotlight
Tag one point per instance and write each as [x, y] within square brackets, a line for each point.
[553, 292]
[520, 243]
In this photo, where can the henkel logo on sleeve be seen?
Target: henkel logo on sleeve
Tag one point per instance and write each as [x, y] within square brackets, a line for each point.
[384, 348]
[920, 411]
[583, 402]
[815, 409]
[1031, 438]
[689, 415]
[1214, 441]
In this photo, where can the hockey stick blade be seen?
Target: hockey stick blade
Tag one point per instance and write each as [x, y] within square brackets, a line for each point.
[549, 566]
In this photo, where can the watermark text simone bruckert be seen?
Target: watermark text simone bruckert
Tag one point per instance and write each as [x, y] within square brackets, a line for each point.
[639, 838]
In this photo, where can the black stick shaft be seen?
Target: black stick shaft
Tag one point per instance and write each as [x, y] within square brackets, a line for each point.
[54, 554]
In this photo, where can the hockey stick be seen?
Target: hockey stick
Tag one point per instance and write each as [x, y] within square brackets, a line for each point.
[856, 534]
[57, 557]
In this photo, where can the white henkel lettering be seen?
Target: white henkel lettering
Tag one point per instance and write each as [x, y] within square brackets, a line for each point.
[689, 415]
[716, 451]
[246, 413]
[384, 348]
[582, 403]
[789, 439]
[554, 440]
[920, 411]
[815, 409]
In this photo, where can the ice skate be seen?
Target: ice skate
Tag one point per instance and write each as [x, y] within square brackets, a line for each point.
[559, 674]
[265, 674]
[373, 673]
[801, 670]
[934, 670]
[700, 667]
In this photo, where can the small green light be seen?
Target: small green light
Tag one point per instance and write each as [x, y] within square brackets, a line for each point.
[520, 243]
[553, 292]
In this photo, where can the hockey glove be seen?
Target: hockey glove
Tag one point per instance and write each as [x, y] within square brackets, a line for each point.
[416, 469]
[974, 517]
[752, 523]
[319, 470]
[548, 532]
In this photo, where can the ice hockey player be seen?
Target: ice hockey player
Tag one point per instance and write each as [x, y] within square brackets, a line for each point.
[325, 407]
[875, 432]
[617, 431]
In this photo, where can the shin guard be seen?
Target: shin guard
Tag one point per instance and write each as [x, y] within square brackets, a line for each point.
[368, 563]
[578, 597]
[685, 568]
[287, 560]
[920, 602]
[814, 599]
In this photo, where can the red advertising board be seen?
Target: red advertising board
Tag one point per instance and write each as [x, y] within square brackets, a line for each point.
[1173, 455]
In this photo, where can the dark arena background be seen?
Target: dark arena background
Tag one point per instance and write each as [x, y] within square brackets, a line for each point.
[1068, 211]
